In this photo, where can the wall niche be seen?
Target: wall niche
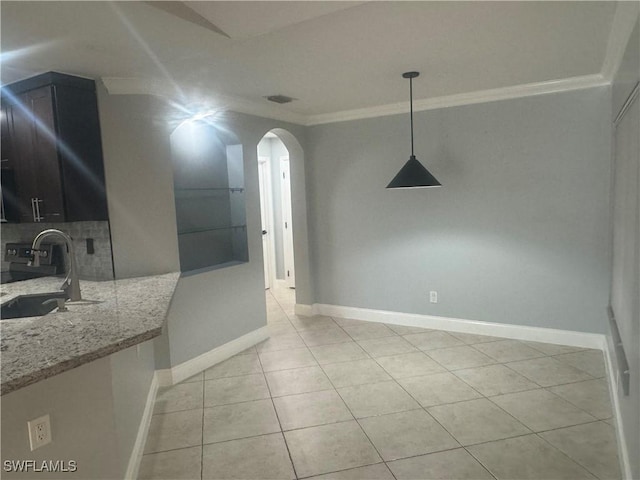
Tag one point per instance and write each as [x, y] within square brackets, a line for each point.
[209, 191]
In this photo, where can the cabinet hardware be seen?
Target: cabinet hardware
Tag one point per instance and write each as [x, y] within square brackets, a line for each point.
[33, 209]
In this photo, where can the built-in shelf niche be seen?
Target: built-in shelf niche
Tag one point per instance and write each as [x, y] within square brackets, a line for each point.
[209, 194]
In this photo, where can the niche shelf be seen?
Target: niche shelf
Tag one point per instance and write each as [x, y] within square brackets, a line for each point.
[209, 195]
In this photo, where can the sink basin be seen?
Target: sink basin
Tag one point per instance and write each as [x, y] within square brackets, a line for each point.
[30, 305]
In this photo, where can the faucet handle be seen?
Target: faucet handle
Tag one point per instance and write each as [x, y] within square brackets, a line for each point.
[60, 302]
[34, 258]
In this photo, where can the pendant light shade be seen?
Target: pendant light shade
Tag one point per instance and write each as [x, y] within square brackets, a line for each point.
[413, 174]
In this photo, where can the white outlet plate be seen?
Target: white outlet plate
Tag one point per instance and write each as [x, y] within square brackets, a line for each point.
[39, 432]
[433, 296]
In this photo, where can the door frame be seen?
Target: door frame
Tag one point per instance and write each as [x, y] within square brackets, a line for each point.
[264, 173]
[288, 245]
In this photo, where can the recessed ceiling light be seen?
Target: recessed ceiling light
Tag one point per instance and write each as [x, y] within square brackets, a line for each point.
[279, 98]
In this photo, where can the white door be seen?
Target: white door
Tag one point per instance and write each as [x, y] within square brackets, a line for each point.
[264, 180]
[287, 230]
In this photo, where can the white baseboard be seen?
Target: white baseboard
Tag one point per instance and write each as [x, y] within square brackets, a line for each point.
[171, 376]
[141, 438]
[517, 332]
[611, 369]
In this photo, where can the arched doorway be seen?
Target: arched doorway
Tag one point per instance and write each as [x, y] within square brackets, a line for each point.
[274, 176]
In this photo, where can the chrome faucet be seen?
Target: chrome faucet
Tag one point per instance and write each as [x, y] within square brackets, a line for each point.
[71, 284]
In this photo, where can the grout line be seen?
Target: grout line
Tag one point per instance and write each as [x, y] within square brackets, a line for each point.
[273, 405]
[202, 431]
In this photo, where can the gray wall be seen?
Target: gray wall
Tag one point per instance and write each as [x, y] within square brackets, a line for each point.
[132, 371]
[138, 171]
[518, 233]
[95, 411]
[624, 81]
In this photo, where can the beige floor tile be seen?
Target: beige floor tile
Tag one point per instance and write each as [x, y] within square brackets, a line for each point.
[376, 399]
[527, 458]
[592, 445]
[265, 458]
[380, 347]
[477, 421]
[432, 340]
[368, 331]
[541, 410]
[183, 464]
[184, 396]
[406, 434]
[551, 349]
[297, 380]
[590, 361]
[198, 377]
[357, 372]
[409, 365]
[324, 336]
[405, 329]
[548, 371]
[370, 472]
[280, 328]
[283, 341]
[239, 420]
[237, 365]
[591, 396]
[223, 391]
[169, 431]
[473, 339]
[275, 315]
[495, 380]
[330, 448]
[456, 358]
[311, 409]
[339, 352]
[508, 350]
[310, 323]
[450, 465]
[438, 389]
[285, 359]
[349, 321]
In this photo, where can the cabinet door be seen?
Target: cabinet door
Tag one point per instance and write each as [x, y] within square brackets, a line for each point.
[10, 202]
[50, 202]
[20, 127]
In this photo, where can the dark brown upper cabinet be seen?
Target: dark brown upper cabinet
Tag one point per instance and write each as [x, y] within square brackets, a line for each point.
[52, 166]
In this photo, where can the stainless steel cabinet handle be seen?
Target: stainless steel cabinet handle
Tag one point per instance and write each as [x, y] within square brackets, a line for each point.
[33, 209]
[39, 218]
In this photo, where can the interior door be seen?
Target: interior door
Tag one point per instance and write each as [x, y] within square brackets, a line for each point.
[265, 210]
[287, 230]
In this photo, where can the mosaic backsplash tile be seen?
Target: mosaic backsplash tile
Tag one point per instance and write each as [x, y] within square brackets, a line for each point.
[96, 266]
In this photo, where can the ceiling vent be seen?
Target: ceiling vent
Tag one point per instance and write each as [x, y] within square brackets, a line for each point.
[279, 98]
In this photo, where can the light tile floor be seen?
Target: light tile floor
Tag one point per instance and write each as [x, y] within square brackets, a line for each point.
[334, 398]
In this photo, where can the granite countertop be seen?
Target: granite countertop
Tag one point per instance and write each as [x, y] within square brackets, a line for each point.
[129, 312]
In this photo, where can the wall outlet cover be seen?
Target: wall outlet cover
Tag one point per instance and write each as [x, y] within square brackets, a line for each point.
[433, 297]
[39, 432]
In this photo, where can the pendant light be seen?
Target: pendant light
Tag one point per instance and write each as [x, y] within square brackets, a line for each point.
[413, 174]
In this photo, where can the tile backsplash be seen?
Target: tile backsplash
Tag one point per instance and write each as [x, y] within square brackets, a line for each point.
[96, 266]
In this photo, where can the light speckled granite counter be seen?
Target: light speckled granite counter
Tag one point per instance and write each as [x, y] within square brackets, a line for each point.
[130, 311]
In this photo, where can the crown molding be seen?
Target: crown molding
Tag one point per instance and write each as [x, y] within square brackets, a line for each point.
[137, 86]
[481, 96]
[624, 20]
[171, 92]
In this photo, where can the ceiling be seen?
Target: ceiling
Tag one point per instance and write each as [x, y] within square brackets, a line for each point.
[331, 56]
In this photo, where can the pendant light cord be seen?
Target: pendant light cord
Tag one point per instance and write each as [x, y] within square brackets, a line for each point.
[411, 108]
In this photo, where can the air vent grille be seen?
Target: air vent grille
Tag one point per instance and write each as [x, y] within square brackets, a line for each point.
[279, 98]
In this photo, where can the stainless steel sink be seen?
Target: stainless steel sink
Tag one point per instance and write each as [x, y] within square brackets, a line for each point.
[34, 305]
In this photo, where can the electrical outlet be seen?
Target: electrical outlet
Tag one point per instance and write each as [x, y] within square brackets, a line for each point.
[39, 432]
[433, 296]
